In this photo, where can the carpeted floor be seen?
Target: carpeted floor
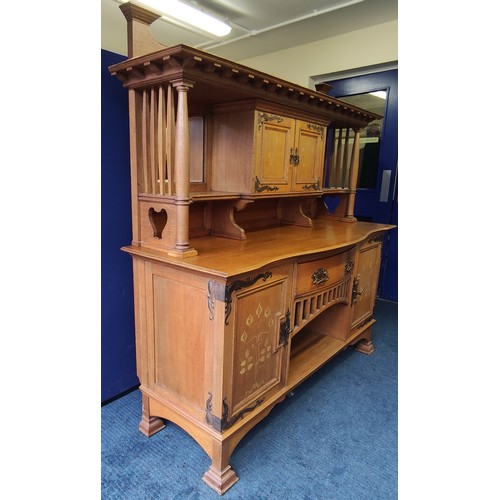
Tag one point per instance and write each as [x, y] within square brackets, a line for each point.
[335, 438]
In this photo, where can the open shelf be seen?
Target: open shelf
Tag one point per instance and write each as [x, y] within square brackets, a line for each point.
[309, 351]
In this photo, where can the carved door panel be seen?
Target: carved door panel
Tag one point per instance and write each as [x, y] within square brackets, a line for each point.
[260, 327]
[309, 150]
[274, 136]
[365, 282]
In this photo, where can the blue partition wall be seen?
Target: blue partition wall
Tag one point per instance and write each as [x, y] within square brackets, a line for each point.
[118, 367]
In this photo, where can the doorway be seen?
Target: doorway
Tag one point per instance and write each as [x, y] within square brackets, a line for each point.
[376, 195]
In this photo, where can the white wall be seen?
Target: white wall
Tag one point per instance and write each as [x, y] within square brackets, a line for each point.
[370, 46]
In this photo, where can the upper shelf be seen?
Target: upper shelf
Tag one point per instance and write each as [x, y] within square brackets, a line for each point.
[225, 81]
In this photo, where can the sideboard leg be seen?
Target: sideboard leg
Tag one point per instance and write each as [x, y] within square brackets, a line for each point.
[149, 425]
[220, 480]
[220, 476]
[365, 346]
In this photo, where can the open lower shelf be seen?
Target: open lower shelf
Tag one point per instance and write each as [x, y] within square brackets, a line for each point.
[309, 351]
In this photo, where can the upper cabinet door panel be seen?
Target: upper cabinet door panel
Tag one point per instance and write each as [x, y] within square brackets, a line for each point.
[274, 136]
[309, 151]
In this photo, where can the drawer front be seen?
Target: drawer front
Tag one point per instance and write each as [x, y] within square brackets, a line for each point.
[321, 273]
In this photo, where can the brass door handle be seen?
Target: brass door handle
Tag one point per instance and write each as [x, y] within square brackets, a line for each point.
[349, 266]
[294, 157]
[285, 330]
[355, 291]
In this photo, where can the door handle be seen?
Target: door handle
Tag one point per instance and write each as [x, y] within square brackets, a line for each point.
[384, 188]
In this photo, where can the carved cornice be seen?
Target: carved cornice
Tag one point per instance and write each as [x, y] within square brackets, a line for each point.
[200, 66]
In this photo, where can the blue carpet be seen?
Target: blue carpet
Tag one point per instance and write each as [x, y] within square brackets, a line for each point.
[335, 438]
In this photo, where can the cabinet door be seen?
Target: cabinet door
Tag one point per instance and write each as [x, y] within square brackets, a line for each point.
[259, 326]
[274, 136]
[365, 282]
[309, 149]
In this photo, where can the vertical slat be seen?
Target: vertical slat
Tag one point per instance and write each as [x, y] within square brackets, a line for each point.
[345, 174]
[153, 141]
[298, 313]
[161, 139]
[333, 172]
[145, 142]
[170, 138]
[134, 103]
[304, 309]
[353, 176]
[338, 171]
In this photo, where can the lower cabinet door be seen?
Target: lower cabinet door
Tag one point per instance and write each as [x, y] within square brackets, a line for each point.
[365, 282]
[260, 326]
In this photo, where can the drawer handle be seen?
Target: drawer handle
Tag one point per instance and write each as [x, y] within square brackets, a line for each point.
[320, 276]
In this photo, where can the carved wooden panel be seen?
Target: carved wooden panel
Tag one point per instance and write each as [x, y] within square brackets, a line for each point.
[310, 145]
[365, 283]
[177, 333]
[273, 147]
[257, 357]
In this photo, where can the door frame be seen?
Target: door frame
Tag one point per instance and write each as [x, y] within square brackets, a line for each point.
[351, 82]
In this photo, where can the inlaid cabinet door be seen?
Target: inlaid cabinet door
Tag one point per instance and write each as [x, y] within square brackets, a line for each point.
[365, 282]
[260, 328]
[309, 149]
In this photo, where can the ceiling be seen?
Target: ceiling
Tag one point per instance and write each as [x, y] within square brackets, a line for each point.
[258, 26]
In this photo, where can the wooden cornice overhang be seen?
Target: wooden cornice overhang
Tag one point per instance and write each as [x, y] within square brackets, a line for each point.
[223, 80]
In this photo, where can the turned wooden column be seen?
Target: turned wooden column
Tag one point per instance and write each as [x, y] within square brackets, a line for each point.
[181, 172]
[353, 179]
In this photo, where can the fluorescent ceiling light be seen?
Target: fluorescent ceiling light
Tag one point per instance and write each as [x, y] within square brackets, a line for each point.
[380, 93]
[189, 15]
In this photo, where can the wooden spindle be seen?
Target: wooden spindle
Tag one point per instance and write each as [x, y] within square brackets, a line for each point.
[345, 178]
[338, 170]
[170, 138]
[161, 138]
[144, 140]
[134, 103]
[153, 140]
[332, 172]
[353, 179]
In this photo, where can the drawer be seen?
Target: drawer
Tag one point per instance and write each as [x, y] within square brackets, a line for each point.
[323, 272]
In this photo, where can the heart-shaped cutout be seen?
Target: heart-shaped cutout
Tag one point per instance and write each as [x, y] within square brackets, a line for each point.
[158, 221]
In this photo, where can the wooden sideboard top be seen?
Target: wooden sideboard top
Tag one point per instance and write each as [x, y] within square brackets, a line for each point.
[226, 257]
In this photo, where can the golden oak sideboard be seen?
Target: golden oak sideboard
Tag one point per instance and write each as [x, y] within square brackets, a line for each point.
[245, 283]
